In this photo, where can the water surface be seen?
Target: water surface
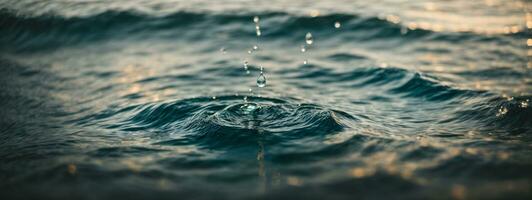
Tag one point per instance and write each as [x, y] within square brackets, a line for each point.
[144, 99]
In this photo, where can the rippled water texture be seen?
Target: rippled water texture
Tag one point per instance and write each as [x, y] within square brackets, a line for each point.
[145, 99]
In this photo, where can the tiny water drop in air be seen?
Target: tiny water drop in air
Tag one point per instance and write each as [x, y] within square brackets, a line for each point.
[261, 80]
[256, 19]
[308, 38]
[337, 25]
[303, 49]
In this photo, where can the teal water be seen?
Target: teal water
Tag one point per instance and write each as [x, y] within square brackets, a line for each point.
[145, 99]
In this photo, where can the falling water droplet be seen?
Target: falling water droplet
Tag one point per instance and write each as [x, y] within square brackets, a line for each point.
[261, 80]
[249, 51]
[337, 25]
[213, 97]
[303, 49]
[247, 72]
[255, 47]
[258, 32]
[256, 19]
[308, 38]
[305, 62]
[223, 50]
[245, 64]
[250, 90]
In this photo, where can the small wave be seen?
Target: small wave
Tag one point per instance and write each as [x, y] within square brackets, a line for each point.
[420, 86]
[33, 33]
[501, 116]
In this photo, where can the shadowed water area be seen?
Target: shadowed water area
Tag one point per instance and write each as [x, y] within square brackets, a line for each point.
[145, 99]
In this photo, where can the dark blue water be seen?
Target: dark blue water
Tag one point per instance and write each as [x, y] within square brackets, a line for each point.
[144, 99]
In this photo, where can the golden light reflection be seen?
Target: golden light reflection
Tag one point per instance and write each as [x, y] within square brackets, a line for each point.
[132, 165]
[529, 20]
[503, 155]
[294, 181]
[393, 19]
[431, 18]
[430, 6]
[360, 172]
[458, 192]
[412, 26]
[72, 169]
[163, 184]
[262, 170]
[314, 13]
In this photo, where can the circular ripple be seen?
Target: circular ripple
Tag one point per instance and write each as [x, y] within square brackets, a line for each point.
[228, 121]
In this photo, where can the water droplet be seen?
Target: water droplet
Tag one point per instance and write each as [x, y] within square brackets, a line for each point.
[303, 49]
[255, 47]
[524, 104]
[261, 80]
[245, 98]
[256, 19]
[305, 62]
[250, 90]
[308, 38]
[337, 24]
[213, 97]
[258, 32]
[222, 50]
[247, 72]
[249, 51]
[246, 65]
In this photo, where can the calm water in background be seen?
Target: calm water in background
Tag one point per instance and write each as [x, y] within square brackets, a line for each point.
[142, 99]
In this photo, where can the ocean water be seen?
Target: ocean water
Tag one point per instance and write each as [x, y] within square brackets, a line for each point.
[145, 99]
